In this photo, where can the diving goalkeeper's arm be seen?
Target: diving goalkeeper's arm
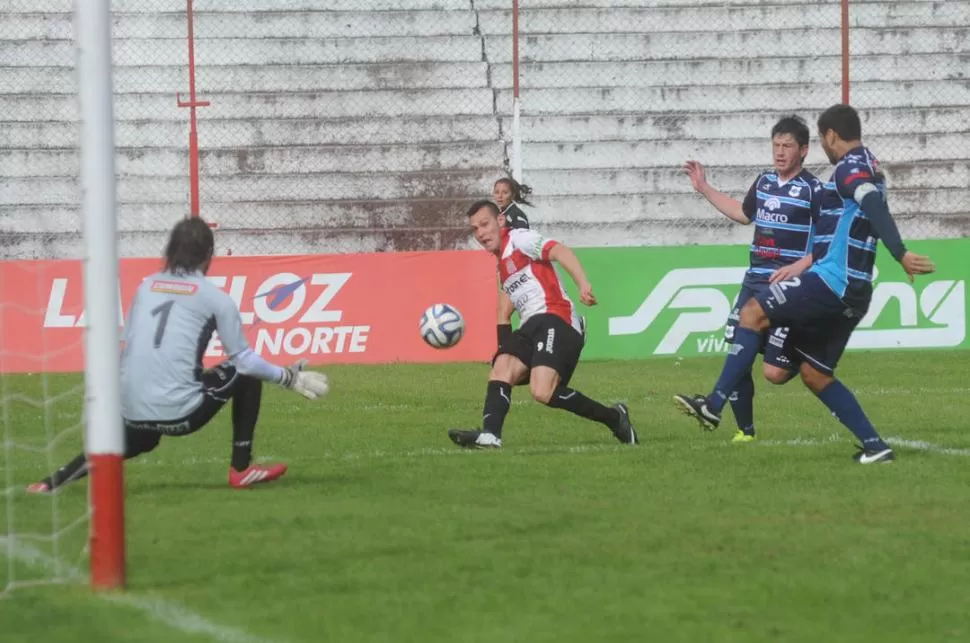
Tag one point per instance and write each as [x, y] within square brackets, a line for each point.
[309, 384]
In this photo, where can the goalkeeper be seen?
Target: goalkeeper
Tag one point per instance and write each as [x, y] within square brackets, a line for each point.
[164, 388]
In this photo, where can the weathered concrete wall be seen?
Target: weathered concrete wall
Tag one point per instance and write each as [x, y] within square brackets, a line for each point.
[369, 124]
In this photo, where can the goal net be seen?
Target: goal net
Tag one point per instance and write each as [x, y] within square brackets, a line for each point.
[46, 406]
[44, 538]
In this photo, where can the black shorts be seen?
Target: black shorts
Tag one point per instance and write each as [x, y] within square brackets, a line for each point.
[218, 386]
[776, 350]
[546, 340]
[820, 324]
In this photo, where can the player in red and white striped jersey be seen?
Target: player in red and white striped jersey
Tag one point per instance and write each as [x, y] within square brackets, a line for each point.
[545, 349]
[508, 194]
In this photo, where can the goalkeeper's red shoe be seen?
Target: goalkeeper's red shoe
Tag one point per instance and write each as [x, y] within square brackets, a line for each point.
[255, 474]
[39, 487]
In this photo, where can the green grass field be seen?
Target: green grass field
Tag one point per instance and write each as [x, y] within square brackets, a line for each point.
[384, 531]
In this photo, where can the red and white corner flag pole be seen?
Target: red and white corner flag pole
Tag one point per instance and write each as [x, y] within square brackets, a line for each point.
[104, 436]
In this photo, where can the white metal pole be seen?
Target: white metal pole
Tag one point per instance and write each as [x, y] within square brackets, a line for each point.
[104, 437]
[516, 160]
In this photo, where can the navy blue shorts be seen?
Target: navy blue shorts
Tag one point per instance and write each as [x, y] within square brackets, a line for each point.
[773, 344]
[819, 323]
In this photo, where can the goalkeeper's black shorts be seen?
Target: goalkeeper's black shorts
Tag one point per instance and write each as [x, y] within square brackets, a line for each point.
[218, 386]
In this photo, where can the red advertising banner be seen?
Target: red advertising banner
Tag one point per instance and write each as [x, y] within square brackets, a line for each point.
[329, 309]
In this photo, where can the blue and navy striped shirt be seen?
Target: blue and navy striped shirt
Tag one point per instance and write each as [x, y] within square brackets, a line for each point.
[784, 215]
[845, 241]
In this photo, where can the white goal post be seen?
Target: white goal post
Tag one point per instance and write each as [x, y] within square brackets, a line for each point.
[103, 435]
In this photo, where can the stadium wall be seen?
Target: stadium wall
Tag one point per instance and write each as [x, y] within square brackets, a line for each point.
[341, 126]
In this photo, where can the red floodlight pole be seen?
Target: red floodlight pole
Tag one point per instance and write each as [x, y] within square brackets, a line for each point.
[192, 104]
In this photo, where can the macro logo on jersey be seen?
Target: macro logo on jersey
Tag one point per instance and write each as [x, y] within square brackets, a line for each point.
[771, 204]
[173, 287]
[783, 214]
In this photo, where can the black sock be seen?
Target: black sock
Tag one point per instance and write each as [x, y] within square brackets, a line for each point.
[73, 470]
[245, 411]
[575, 402]
[498, 397]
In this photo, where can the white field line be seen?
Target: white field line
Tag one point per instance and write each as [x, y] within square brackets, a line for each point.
[919, 445]
[179, 618]
[794, 388]
[916, 445]
[166, 612]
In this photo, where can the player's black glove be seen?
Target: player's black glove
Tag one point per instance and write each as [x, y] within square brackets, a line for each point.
[504, 333]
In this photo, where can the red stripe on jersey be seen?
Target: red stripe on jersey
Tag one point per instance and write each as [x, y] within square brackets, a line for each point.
[553, 296]
[856, 175]
[556, 304]
[512, 264]
[547, 249]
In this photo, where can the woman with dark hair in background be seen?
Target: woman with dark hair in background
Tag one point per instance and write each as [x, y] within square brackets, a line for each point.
[507, 194]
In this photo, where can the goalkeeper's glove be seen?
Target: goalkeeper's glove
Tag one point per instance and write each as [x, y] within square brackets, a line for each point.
[309, 384]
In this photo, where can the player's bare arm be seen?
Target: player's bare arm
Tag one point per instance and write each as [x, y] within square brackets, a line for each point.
[309, 384]
[725, 204]
[565, 256]
[791, 270]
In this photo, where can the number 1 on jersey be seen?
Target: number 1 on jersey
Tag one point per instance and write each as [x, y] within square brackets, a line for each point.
[161, 311]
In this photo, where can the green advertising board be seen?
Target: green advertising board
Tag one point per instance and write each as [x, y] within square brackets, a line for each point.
[674, 301]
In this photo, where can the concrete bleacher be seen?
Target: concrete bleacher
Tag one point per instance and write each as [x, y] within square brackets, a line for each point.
[357, 125]
[616, 96]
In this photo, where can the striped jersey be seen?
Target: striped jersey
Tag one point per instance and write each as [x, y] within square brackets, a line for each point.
[529, 278]
[845, 241]
[784, 214]
[515, 217]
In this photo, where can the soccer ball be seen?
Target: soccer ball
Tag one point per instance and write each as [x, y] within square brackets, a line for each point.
[442, 326]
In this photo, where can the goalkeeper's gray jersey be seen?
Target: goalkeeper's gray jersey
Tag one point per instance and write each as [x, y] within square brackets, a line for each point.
[169, 326]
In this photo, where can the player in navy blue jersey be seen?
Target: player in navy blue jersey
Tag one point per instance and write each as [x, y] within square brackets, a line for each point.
[823, 306]
[783, 203]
